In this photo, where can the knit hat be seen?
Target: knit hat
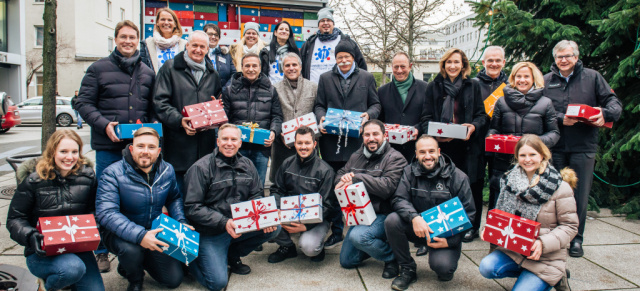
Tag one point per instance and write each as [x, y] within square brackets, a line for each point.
[325, 13]
[251, 25]
[346, 47]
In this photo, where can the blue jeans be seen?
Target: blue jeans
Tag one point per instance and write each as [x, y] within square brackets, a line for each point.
[77, 270]
[210, 268]
[364, 241]
[260, 159]
[104, 159]
[79, 118]
[498, 265]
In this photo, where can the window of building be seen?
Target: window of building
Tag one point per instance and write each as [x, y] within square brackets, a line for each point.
[39, 84]
[123, 15]
[110, 44]
[39, 36]
[39, 1]
[109, 9]
[3, 25]
[426, 76]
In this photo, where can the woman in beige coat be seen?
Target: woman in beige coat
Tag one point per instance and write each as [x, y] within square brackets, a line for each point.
[535, 190]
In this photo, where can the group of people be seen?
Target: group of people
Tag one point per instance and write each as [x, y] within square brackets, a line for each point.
[195, 176]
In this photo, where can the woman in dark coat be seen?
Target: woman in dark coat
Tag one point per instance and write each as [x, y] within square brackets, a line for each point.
[219, 55]
[522, 110]
[271, 57]
[63, 184]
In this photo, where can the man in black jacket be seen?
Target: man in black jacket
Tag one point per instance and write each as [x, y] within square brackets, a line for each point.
[304, 173]
[569, 82]
[187, 79]
[379, 167]
[115, 89]
[212, 184]
[318, 52]
[428, 181]
[251, 98]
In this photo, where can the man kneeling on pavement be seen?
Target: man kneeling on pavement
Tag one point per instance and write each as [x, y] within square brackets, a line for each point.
[304, 173]
[212, 184]
[430, 179]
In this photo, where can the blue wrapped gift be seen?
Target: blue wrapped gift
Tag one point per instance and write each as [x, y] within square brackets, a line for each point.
[126, 131]
[447, 219]
[183, 242]
[251, 132]
[343, 122]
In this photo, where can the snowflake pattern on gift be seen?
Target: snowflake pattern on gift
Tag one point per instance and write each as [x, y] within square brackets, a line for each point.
[323, 54]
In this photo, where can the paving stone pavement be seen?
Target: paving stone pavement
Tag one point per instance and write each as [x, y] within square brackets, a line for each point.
[612, 251]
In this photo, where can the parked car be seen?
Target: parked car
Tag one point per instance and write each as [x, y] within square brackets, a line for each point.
[31, 111]
[8, 112]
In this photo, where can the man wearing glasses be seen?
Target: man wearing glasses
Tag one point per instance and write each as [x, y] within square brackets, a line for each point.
[219, 55]
[569, 82]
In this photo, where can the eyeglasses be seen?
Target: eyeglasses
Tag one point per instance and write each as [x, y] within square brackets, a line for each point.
[213, 35]
[565, 57]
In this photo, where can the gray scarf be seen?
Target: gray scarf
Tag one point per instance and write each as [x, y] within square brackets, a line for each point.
[280, 55]
[518, 197]
[197, 69]
[368, 154]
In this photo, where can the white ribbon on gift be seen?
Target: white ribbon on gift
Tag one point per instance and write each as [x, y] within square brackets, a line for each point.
[181, 237]
[509, 233]
[70, 229]
[443, 217]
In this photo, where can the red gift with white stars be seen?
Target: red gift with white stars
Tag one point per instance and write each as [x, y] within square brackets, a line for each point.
[289, 127]
[356, 205]
[447, 130]
[399, 134]
[303, 208]
[511, 231]
[205, 115]
[500, 143]
[68, 234]
[255, 214]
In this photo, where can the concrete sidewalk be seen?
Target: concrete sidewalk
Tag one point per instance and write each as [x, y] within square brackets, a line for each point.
[611, 259]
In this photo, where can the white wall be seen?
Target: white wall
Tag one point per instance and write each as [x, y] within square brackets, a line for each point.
[12, 77]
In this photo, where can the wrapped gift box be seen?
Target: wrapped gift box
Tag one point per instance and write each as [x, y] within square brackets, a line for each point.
[500, 143]
[583, 113]
[126, 131]
[343, 122]
[510, 231]
[356, 205]
[448, 130]
[68, 234]
[255, 214]
[447, 219]
[289, 127]
[399, 134]
[304, 208]
[490, 102]
[251, 132]
[183, 242]
[205, 115]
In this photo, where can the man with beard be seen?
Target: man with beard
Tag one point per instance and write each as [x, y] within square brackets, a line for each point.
[304, 173]
[131, 194]
[428, 181]
[379, 167]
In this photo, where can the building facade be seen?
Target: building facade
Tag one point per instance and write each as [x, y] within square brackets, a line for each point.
[463, 35]
[12, 47]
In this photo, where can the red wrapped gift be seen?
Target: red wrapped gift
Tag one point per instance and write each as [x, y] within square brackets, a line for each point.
[583, 113]
[511, 231]
[501, 143]
[68, 234]
[205, 115]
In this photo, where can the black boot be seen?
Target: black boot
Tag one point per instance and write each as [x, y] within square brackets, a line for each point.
[575, 249]
[470, 235]
[282, 254]
[390, 270]
[237, 267]
[422, 250]
[319, 257]
[135, 286]
[406, 278]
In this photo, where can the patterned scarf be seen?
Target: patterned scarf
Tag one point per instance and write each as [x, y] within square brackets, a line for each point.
[165, 43]
[329, 37]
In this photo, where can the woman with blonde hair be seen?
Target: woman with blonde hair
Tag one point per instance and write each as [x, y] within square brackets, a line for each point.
[535, 190]
[522, 110]
[166, 41]
[63, 184]
[250, 43]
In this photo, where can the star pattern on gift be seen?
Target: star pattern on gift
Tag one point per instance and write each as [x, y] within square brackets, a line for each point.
[165, 248]
[515, 241]
[445, 205]
[460, 228]
[244, 136]
[96, 235]
[519, 224]
[528, 230]
[87, 221]
[440, 131]
[500, 241]
[171, 239]
[499, 223]
[333, 131]
[50, 238]
[82, 232]
[75, 218]
[61, 250]
[59, 223]
[47, 222]
[63, 239]
[461, 218]
[166, 219]
[490, 233]
[496, 147]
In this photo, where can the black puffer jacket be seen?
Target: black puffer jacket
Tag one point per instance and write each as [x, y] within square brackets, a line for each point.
[176, 88]
[519, 114]
[311, 175]
[488, 84]
[420, 190]
[109, 93]
[215, 182]
[586, 86]
[307, 51]
[35, 198]
[253, 102]
[380, 174]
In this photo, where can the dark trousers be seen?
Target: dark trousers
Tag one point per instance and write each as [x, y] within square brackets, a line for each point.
[134, 260]
[337, 225]
[500, 164]
[442, 261]
[476, 192]
[583, 164]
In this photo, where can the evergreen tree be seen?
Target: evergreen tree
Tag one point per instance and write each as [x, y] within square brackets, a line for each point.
[608, 33]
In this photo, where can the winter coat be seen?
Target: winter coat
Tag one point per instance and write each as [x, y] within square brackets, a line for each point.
[394, 111]
[487, 86]
[559, 224]
[109, 93]
[473, 113]
[420, 190]
[311, 175]
[585, 86]
[224, 65]
[361, 96]
[531, 113]
[307, 51]
[176, 88]
[126, 204]
[212, 184]
[35, 198]
[256, 102]
[380, 174]
[294, 103]
[148, 52]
